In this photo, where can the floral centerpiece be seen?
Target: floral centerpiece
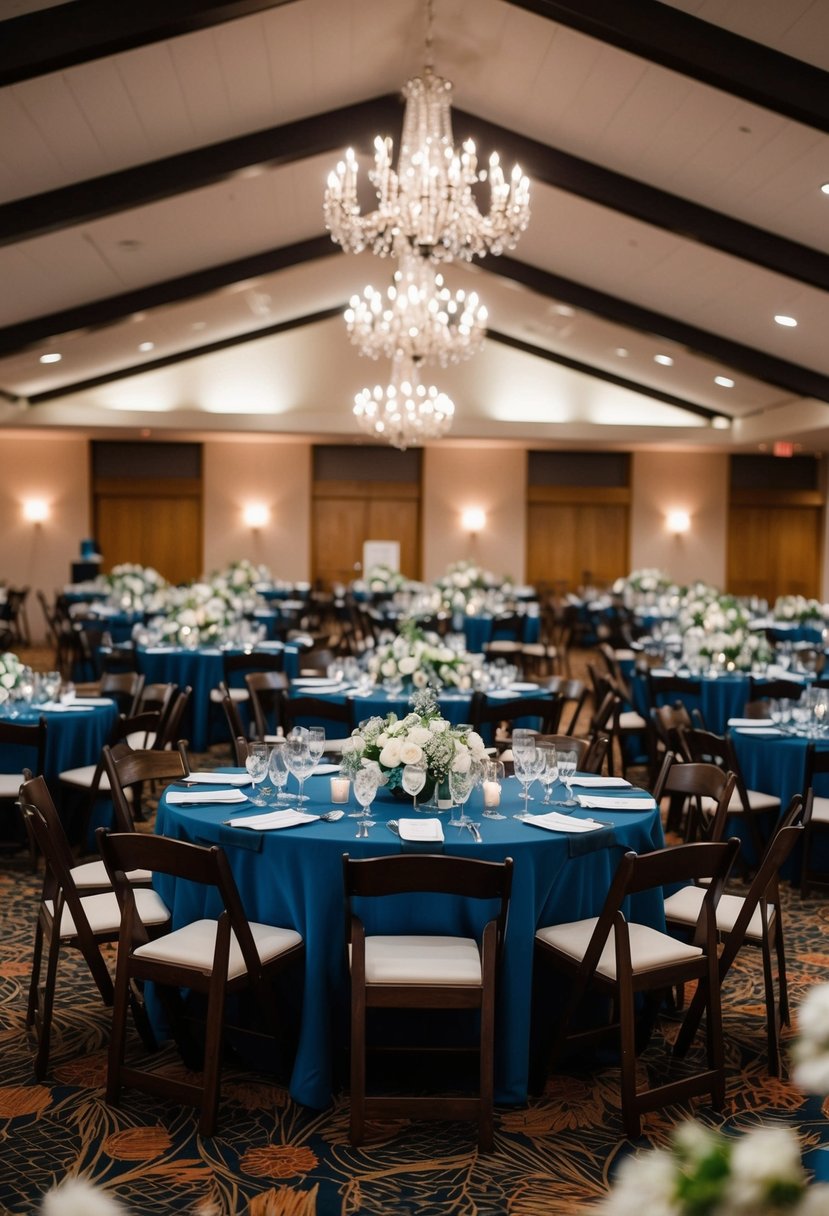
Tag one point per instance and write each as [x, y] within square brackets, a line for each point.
[241, 576]
[798, 608]
[135, 588]
[380, 580]
[202, 612]
[464, 584]
[419, 660]
[716, 627]
[422, 735]
[11, 674]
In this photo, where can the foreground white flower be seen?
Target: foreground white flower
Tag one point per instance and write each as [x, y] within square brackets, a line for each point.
[75, 1197]
[811, 1050]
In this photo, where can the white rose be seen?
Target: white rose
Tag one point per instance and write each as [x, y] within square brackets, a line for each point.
[7, 679]
[475, 744]
[463, 761]
[389, 668]
[419, 735]
[410, 753]
[420, 679]
[4, 696]
[390, 755]
[438, 725]
[407, 665]
[382, 739]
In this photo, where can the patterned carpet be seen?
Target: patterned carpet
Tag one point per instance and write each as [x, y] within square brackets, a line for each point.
[272, 1158]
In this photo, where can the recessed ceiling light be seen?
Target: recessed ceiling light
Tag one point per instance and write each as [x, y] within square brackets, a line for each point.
[782, 319]
[564, 310]
[665, 360]
[145, 346]
[622, 352]
[720, 422]
[724, 381]
[53, 357]
[825, 188]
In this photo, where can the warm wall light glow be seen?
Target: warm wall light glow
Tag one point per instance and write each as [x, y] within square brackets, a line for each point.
[473, 519]
[256, 515]
[678, 522]
[35, 510]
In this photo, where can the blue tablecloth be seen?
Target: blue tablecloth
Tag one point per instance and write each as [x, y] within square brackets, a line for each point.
[73, 738]
[294, 878]
[722, 697]
[203, 670]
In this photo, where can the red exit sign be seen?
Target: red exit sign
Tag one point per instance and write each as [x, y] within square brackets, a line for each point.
[783, 448]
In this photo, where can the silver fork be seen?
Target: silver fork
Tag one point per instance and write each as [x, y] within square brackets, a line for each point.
[473, 827]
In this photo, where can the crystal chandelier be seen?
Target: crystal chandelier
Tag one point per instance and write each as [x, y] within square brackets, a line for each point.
[404, 412]
[418, 317]
[428, 203]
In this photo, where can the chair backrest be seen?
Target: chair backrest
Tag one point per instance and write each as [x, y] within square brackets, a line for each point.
[661, 686]
[171, 720]
[763, 689]
[208, 866]
[764, 886]
[573, 695]
[709, 748]
[546, 711]
[680, 865]
[126, 768]
[698, 780]
[30, 736]
[234, 666]
[156, 697]
[299, 711]
[596, 754]
[580, 746]
[125, 688]
[429, 873]
[240, 748]
[667, 720]
[49, 833]
[265, 688]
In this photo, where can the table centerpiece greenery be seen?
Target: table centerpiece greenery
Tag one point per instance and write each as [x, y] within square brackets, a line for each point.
[419, 660]
[11, 674]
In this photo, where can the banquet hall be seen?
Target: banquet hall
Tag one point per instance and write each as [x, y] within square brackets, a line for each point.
[182, 360]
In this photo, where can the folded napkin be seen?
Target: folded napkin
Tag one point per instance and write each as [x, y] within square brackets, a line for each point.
[601, 783]
[501, 694]
[273, 821]
[56, 707]
[554, 822]
[742, 722]
[161, 649]
[183, 797]
[325, 770]
[597, 803]
[420, 829]
[92, 701]
[760, 730]
[214, 778]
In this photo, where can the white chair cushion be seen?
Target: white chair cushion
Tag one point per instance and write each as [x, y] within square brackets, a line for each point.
[757, 800]
[423, 960]
[141, 740]
[104, 915]
[94, 874]
[236, 694]
[629, 719]
[194, 946]
[683, 908]
[820, 810]
[502, 646]
[10, 784]
[649, 949]
[82, 777]
[624, 656]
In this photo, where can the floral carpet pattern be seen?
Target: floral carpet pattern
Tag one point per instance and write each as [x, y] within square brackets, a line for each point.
[272, 1158]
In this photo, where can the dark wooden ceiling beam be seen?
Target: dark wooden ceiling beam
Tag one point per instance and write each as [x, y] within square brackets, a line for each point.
[68, 34]
[790, 377]
[698, 49]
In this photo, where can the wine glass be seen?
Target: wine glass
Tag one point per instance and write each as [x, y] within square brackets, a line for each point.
[528, 763]
[567, 763]
[461, 786]
[493, 778]
[366, 782]
[298, 759]
[278, 769]
[316, 743]
[256, 764]
[549, 773]
[413, 779]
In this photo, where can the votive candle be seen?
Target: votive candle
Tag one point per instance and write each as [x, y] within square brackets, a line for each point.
[339, 789]
[492, 793]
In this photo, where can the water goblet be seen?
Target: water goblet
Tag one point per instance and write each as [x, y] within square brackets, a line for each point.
[413, 779]
[366, 783]
[298, 759]
[278, 770]
[549, 773]
[528, 764]
[256, 764]
[316, 743]
[493, 779]
[567, 763]
[461, 786]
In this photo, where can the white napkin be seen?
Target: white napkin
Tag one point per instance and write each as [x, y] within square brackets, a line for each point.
[760, 730]
[601, 783]
[160, 649]
[214, 778]
[183, 797]
[741, 722]
[420, 829]
[554, 822]
[325, 770]
[273, 821]
[55, 707]
[597, 803]
[93, 701]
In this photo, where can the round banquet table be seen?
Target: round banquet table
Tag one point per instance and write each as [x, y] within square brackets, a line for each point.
[74, 736]
[454, 706]
[203, 670]
[293, 877]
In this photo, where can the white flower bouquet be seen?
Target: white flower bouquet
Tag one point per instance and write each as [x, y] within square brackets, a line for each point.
[798, 608]
[135, 588]
[241, 576]
[717, 627]
[11, 674]
[202, 612]
[465, 583]
[419, 660]
[422, 735]
[811, 1050]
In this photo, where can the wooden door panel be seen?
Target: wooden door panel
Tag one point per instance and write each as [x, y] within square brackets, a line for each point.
[162, 531]
[398, 520]
[339, 527]
[567, 540]
[774, 550]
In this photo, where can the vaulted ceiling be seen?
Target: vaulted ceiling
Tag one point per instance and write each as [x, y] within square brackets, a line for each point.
[161, 175]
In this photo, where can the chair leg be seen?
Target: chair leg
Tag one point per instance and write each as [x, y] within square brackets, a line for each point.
[486, 1140]
[627, 1044]
[358, 1067]
[118, 1032]
[212, 1055]
[37, 955]
[772, 1037]
[43, 1018]
[782, 980]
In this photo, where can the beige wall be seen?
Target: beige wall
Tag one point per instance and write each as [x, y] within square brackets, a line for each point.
[696, 482]
[277, 475]
[491, 478]
[55, 469]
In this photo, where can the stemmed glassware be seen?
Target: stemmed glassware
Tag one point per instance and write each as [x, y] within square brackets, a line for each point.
[298, 759]
[256, 764]
[413, 779]
[366, 783]
[493, 780]
[528, 762]
[278, 770]
[567, 764]
[316, 744]
[549, 773]
[461, 786]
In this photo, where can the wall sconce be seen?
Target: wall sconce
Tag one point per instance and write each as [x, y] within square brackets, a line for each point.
[678, 522]
[256, 515]
[35, 510]
[473, 520]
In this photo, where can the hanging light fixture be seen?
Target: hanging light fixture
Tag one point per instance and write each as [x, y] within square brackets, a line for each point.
[428, 203]
[404, 412]
[418, 317]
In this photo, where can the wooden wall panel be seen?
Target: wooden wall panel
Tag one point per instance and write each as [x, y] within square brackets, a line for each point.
[345, 516]
[152, 526]
[774, 549]
[567, 542]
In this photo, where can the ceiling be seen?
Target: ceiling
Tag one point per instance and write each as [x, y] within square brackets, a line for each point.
[161, 180]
